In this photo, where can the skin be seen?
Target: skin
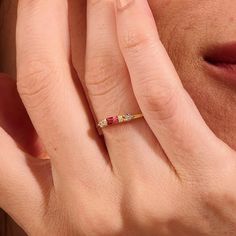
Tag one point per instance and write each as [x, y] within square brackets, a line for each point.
[188, 23]
[189, 157]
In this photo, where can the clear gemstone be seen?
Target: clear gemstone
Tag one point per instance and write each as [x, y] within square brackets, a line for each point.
[102, 123]
[128, 117]
[121, 119]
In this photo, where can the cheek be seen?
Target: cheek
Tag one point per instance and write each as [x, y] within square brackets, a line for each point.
[216, 102]
[186, 32]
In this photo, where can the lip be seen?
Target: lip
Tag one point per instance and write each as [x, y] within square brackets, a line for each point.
[220, 61]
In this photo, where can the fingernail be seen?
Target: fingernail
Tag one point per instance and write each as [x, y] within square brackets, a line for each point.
[121, 4]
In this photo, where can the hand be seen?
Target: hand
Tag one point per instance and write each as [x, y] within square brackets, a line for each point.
[168, 175]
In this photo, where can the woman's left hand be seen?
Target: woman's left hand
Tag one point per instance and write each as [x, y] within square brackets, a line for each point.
[166, 175]
[177, 176]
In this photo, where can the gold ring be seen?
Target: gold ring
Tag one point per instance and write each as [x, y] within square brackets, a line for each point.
[115, 120]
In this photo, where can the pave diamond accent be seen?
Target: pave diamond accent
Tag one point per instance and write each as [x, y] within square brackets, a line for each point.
[128, 117]
[121, 119]
[103, 123]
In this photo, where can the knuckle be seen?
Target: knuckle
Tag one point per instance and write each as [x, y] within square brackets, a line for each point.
[101, 75]
[159, 99]
[152, 218]
[96, 222]
[102, 226]
[217, 190]
[148, 210]
[35, 83]
[213, 200]
[94, 2]
[134, 40]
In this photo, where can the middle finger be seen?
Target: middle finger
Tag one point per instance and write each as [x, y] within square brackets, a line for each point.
[54, 102]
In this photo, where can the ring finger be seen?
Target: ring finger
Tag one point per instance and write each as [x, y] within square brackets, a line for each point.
[110, 93]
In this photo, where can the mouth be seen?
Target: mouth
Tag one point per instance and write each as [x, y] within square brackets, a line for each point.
[220, 61]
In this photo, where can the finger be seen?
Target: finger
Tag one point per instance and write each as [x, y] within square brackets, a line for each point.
[111, 94]
[23, 180]
[77, 18]
[56, 106]
[15, 120]
[167, 107]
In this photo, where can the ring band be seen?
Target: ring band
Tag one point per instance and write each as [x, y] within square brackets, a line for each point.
[115, 120]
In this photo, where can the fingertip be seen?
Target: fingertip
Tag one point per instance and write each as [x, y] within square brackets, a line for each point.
[123, 4]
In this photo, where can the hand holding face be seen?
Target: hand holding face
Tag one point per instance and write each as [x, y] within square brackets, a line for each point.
[167, 174]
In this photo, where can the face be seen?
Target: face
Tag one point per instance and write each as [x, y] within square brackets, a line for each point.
[194, 31]
[199, 37]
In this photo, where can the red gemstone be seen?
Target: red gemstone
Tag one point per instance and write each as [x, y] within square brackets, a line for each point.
[115, 120]
[110, 120]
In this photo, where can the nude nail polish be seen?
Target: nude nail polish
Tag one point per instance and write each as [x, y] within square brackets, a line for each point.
[121, 4]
